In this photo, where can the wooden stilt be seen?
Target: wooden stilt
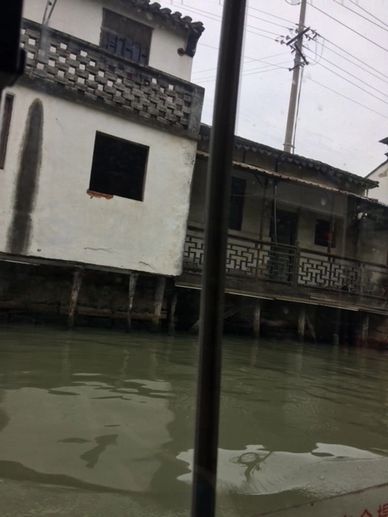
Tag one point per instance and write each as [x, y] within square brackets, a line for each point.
[302, 322]
[311, 328]
[131, 295]
[363, 330]
[337, 328]
[75, 289]
[158, 302]
[256, 319]
[171, 317]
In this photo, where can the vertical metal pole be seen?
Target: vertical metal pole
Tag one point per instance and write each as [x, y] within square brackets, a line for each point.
[288, 147]
[212, 295]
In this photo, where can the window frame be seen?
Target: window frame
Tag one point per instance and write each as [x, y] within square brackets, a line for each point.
[112, 192]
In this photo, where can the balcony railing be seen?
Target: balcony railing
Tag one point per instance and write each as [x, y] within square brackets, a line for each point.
[259, 260]
[80, 71]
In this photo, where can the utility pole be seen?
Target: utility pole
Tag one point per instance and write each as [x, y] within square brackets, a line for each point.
[288, 141]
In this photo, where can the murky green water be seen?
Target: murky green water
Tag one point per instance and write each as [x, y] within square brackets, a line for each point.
[99, 423]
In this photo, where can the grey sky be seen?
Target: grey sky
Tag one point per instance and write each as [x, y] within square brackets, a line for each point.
[330, 128]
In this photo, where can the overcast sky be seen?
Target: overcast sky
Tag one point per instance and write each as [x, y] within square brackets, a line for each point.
[331, 128]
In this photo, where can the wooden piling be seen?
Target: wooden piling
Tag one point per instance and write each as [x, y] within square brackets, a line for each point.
[301, 323]
[362, 330]
[131, 295]
[158, 302]
[74, 294]
[171, 316]
[257, 319]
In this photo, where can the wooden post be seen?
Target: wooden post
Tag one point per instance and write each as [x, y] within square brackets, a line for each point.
[158, 302]
[75, 289]
[363, 330]
[256, 319]
[311, 328]
[301, 322]
[131, 295]
[337, 327]
[171, 318]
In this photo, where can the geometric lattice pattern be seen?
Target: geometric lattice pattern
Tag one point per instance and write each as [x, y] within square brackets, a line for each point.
[288, 264]
[75, 68]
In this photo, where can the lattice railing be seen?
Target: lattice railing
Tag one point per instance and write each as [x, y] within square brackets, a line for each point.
[291, 265]
[77, 69]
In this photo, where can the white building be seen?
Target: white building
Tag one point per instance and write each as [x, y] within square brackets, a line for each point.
[99, 137]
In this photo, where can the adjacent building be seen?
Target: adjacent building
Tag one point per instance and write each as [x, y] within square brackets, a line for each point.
[307, 247]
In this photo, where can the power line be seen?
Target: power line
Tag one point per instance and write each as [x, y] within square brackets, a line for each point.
[351, 82]
[270, 14]
[359, 66]
[215, 17]
[361, 15]
[254, 71]
[348, 27]
[348, 98]
[251, 60]
[352, 55]
[368, 12]
[352, 75]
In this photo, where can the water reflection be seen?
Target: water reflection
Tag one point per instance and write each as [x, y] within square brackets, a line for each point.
[111, 413]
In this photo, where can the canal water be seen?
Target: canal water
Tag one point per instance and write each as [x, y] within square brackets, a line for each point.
[101, 423]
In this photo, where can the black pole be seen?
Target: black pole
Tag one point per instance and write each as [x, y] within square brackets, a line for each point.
[212, 296]
[11, 55]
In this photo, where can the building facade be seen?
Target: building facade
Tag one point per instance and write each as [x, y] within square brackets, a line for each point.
[99, 139]
[305, 239]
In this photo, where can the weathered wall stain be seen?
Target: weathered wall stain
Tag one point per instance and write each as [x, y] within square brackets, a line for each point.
[19, 231]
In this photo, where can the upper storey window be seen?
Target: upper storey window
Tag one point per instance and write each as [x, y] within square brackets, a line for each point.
[125, 37]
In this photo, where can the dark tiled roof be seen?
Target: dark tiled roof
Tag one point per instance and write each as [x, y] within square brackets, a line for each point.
[173, 19]
[295, 159]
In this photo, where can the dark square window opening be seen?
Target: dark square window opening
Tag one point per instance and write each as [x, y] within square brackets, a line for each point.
[236, 211]
[118, 167]
[125, 37]
[324, 233]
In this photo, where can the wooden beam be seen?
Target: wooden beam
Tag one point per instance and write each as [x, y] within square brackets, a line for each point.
[74, 294]
[171, 316]
[301, 322]
[256, 319]
[158, 302]
[131, 295]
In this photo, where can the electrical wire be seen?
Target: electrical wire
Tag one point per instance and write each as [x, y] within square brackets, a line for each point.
[352, 75]
[351, 82]
[348, 27]
[352, 55]
[250, 72]
[348, 98]
[251, 60]
[270, 14]
[361, 15]
[215, 17]
[368, 12]
[364, 69]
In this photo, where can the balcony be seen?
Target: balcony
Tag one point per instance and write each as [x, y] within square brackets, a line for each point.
[77, 70]
[278, 271]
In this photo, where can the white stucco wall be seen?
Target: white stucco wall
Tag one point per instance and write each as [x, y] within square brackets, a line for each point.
[83, 18]
[381, 175]
[67, 223]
